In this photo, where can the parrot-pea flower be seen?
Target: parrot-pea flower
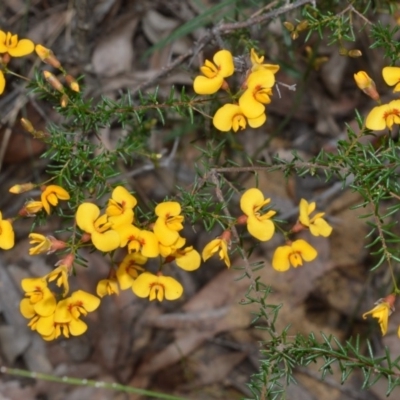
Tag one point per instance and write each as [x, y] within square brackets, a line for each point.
[157, 287]
[259, 225]
[107, 287]
[214, 73]
[168, 223]
[129, 269]
[382, 310]
[188, 258]
[219, 245]
[258, 92]
[166, 251]
[384, 116]
[51, 194]
[31, 208]
[44, 244]
[139, 240]
[391, 76]
[293, 254]
[257, 63]
[120, 207]
[231, 116]
[89, 220]
[317, 225]
[60, 275]
[10, 44]
[7, 236]
[38, 297]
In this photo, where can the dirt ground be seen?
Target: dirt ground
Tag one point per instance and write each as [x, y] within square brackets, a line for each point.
[202, 346]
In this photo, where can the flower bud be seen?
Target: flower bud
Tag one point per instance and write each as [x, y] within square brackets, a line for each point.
[30, 209]
[53, 81]
[289, 26]
[73, 84]
[27, 125]
[303, 25]
[47, 56]
[22, 188]
[366, 84]
[64, 100]
[354, 53]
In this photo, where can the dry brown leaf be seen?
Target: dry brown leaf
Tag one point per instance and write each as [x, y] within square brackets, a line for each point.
[114, 53]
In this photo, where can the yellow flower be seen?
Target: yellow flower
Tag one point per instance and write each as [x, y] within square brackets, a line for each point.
[384, 307]
[138, 240]
[168, 223]
[259, 225]
[257, 63]
[69, 311]
[10, 44]
[258, 92]
[129, 269]
[33, 207]
[2, 82]
[51, 330]
[231, 116]
[7, 236]
[89, 220]
[391, 75]
[42, 244]
[51, 194]
[120, 207]
[107, 287]
[157, 287]
[188, 258]
[384, 116]
[317, 225]
[39, 298]
[214, 74]
[166, 251]
[61, 274]
[293, 254]
[220, 246]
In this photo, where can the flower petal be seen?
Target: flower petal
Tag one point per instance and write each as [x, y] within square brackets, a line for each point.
[262, 230]
[203, 85]
[142, 285]
[106, 241]
[2, 82]
[376, 118]
[391, 75]
[23, 48]
[250, 199]
[224, 61]
[172, 288]
[250, 107]
[86, 215]
[308, 253]
[223, 118]
[280, 260]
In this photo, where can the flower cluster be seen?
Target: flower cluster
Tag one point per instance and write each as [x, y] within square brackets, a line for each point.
[255, 92]
[11, 46]
[384, 115]
[260, 225]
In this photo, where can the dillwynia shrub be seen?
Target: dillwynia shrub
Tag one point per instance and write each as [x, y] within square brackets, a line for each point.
[106, 217]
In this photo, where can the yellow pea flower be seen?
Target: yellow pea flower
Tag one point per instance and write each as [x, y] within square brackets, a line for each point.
[167, 251]
[89, 220]
[44, 244]
[60, 275]
[157, 287]
[188, 258]
[7, 236]
[38, 297]
[231, 116]
[69, 311]
[168, 223]
[51, 194]
[10, 44]
[214, 73]
[317, 225]
[107, 287]
[219, 245]
[258, 92]
[139, 240]
[259, 225]
[120, 207]
[293, 255]
[384, 116]
[384, 307]
[257, 63]
[129, 269]
[391, 75]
